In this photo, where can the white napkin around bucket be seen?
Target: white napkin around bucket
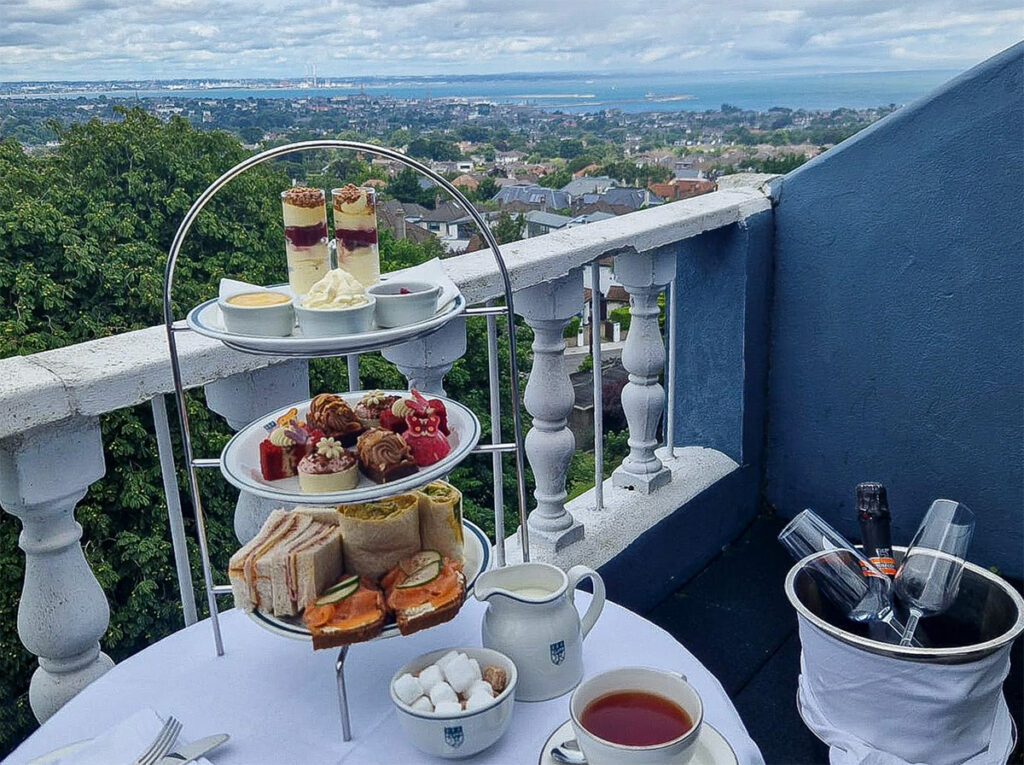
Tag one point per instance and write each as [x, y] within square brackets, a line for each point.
[878, 710]
[431, 271]
[122, 743]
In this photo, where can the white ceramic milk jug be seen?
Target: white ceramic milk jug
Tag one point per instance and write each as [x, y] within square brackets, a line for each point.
[531, 618]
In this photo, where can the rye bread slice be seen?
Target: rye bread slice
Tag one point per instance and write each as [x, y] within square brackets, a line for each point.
[414, 619]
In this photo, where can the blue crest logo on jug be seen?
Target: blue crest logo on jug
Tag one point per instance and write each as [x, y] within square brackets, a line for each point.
[558, 652]
[453, 736]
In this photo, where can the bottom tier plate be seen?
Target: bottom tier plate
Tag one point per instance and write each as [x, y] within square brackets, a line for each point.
[477, 552]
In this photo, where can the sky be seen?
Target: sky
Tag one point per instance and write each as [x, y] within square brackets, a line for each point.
[168, 39]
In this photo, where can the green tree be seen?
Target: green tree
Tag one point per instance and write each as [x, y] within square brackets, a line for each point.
[487, 189]
[509, 228]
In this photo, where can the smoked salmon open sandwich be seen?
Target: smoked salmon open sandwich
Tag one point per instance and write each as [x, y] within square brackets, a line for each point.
[424, 590]
[350, 611]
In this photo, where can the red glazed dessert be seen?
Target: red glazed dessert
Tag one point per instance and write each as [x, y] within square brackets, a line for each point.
[282, 450]
[426, 430]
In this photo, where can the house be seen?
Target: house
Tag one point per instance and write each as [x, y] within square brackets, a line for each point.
[532, 197]
[466, 181]
[392, 215]
[682, 188]
[577, 187]
[539, 222]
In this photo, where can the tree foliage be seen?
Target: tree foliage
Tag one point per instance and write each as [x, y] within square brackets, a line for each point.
[85, 232]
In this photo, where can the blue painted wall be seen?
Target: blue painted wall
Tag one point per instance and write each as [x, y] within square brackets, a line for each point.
[897, 331]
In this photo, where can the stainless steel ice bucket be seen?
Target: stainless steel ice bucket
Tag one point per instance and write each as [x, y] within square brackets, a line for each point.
[988, 614]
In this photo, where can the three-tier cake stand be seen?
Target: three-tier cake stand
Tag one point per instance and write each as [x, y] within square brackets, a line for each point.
[349, 347]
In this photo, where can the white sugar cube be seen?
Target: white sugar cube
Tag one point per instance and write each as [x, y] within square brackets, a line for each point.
[442, 692]
[480, 686]
[479, 700]
[422, 704]
[430, 677]
[461, 673]
[408, 688]
[448, 708]
[450, 656]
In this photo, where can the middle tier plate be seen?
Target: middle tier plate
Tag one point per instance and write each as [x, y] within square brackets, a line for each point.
[240, 459]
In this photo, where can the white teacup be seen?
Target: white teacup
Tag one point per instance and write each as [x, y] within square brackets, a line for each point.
[668, 685]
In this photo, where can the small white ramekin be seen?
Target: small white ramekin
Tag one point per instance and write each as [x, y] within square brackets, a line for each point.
[331, 322]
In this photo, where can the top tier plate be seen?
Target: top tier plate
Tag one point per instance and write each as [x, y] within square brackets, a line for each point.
[206, 319]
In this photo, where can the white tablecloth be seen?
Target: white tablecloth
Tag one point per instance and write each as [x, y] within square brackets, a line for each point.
[278, 700]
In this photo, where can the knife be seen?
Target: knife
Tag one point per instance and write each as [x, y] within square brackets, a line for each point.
[194, 751]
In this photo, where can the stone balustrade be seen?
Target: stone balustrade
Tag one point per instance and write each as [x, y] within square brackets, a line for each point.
[62, 393]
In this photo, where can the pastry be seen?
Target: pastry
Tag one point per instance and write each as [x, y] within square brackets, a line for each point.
[328, 468]
[393, 419]
[426, 430]
[384, 456]
[334, 417]
[288, 442]
[371, 406]
[376, 535]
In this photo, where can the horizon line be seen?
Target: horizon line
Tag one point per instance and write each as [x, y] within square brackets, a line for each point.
[466, 76]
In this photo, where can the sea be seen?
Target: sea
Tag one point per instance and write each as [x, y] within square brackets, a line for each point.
[583, 92]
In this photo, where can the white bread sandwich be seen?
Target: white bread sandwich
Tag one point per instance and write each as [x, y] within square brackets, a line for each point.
[286, 564]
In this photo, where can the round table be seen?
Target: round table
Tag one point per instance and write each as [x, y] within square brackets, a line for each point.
[277, 697]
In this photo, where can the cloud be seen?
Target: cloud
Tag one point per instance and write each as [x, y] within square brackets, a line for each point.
[163, 39]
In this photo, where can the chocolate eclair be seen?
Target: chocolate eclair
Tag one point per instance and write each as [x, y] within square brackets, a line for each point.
[384, 456]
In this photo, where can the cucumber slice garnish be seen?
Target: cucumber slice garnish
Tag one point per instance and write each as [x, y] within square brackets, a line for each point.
[419, 560]
[338, 595]
[421, 576]
[346, 582]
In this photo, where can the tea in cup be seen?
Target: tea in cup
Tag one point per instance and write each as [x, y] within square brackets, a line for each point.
[636, 715]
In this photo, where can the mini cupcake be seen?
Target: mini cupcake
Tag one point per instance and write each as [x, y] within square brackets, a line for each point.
[335, 418]
[328, 468]
[371, 406]
[393, 418]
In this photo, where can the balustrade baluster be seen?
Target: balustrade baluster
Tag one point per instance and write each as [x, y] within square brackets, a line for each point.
[549, 398]
[63, 612]
[425, 362]
[242, 398]
[643, 275]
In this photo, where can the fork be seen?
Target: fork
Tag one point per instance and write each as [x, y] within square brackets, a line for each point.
[162, 744]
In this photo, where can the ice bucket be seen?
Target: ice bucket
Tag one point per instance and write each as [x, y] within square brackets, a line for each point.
[881, 703]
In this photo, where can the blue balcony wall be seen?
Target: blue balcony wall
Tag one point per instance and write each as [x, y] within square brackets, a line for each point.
[897, 330]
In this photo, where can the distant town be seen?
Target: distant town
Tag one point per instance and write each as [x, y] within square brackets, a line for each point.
[541, 167]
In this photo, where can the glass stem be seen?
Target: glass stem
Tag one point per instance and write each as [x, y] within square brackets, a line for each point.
[908, 632]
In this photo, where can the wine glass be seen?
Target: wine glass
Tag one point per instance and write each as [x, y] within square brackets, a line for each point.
[928, 579]
[842, 572]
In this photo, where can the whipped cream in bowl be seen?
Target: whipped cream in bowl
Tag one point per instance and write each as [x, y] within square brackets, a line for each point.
[337, 304]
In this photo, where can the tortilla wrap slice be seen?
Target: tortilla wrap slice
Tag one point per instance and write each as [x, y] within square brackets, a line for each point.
[441, 519]
[376, 535]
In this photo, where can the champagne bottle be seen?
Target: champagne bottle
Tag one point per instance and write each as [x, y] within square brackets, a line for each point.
[873, 516]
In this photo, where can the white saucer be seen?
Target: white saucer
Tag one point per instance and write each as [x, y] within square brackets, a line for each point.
[712, 748]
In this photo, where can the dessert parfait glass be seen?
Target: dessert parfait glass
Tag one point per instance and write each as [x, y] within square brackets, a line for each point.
[305, 233]
[355, 232]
